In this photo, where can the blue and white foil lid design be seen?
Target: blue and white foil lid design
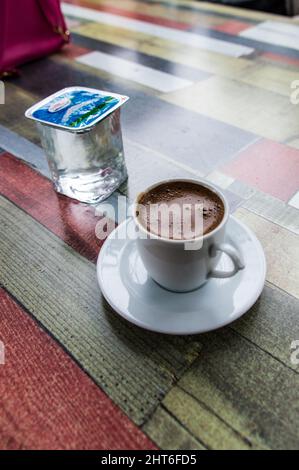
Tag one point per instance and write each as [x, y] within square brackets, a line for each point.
[76, 108]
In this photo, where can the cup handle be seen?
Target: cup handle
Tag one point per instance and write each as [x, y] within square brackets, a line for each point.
[234, 256]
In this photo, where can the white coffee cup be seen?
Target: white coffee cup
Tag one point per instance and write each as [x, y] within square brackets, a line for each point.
[178, 265]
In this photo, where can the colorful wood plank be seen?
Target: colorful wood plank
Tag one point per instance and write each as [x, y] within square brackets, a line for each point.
[72, 22]
[234, 408]
[244, 388]
[193, 143]
[78, 317]
[211, 430]
[269, 77]
[24, 149]
[182, 37]
[53, 403]
[73, 222]
[274, 32]
[262, 112]
[269, 166]
[241, 390]
[274, 210]
[12, 116]
[219, 9]
[257, 47]
[161, 81]
[232, 27]
[72, 51]
[281, 249]
[272, 324]
[220, 179]
[137, 15]
[170, 433]
[242, 189]
[281, 59]
[203, 60]
[162, 10]
[157, 63]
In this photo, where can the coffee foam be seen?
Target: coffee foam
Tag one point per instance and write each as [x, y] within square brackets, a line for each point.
[180, 210]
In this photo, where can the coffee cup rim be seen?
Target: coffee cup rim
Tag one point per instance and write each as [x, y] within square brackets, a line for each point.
[199, 182]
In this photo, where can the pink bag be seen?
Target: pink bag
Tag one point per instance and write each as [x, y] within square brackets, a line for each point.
[29, 29]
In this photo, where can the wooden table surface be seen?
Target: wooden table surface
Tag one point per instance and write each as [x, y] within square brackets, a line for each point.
[210, 91]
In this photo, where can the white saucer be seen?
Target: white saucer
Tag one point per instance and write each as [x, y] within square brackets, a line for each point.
[135, 296]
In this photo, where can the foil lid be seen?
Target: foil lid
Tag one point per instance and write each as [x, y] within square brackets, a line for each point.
[75, 108]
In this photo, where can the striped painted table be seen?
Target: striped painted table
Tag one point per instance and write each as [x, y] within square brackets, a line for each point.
[213, 93]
